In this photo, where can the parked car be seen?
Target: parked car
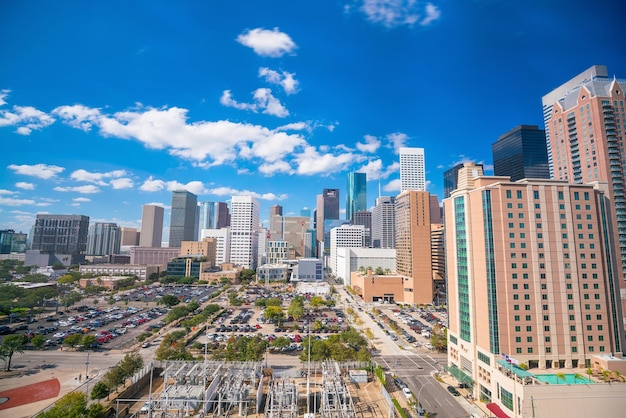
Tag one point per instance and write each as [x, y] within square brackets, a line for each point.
[453, 391]
[407, 392]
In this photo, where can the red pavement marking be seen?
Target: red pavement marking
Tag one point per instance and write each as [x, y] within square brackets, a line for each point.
[30, 393]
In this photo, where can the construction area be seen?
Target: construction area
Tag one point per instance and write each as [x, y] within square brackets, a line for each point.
[247, 389]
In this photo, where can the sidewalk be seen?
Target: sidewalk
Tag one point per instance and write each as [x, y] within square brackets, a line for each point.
[470, 405]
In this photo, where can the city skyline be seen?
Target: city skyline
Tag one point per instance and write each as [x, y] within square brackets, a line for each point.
[117, 110]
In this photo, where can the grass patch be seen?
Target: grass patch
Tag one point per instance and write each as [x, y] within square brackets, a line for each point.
[399, 408]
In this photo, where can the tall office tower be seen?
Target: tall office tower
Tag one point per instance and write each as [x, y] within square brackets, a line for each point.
[212, 215]
[384, 223]
[364, 217]
[436, 215]
[222, 245]
[305, 212]
[151, 226]
[412, 169]
[61, 234]
[345, 236]
[103, 239]
[310, 244]
[521, 153]
[327, 208]
[206, 215]
[6, 241]
[585, 122]
[263, 238]
[453, 180]
[294, 233]
[19, 243]
[183, 217]
[276, 223]
[438, 261]
[356, 193]
[529, 282]
[244, 231]
[129, 237]
[413, 250]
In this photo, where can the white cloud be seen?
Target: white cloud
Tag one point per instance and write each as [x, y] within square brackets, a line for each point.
[87, 189]
[3, 94]
[374, 169]
[267, 43]
[392, 186]
[81, 199]
[284, 79]
[270, 104]
[26, 118]
[371, 144]
[296, 126]
[228, 101]
[78, 116]
[152, 185]
[96, 178]
[25, 185]
[432, 13]
[5, 191]
[42, 171]
[122, 183]
[394, 13]
[9, 201]
[228, 191]
[275, 168]
[311, 162]
[264, 101]
[397, 140]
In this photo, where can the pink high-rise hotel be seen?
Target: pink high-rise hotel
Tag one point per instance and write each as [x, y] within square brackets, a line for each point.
[533, 291]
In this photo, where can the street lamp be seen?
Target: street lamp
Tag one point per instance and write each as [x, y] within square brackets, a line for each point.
[419, 392]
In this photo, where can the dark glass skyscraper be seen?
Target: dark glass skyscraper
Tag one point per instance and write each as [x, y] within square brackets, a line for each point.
[183, 217]
[356, 193]
[521, 153]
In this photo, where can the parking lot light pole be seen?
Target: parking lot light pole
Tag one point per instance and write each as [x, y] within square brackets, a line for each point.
[87, 367]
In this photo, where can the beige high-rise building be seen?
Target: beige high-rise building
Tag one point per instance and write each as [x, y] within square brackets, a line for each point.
[413, 246]
[294, 233]
[585, 124]
[130, 237]
[206, 248]
[151, 226]
[532, 291]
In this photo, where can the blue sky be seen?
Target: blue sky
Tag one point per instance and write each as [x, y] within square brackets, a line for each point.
[106, 106]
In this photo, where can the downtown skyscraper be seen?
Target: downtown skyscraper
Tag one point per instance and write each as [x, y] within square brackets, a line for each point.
[356, 193]
[183, 217]
[585, 123]
[412, 169]
[521, 153]
[151, 226]
[103, 238]
[244, 231]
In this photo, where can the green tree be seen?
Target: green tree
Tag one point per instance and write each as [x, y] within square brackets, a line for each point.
[296, 309]
[72, 340]
[72, 405]
[439, 338]
[316, 302]
[247, 275]
[275, 312]
[38, 341]
[280, 342]
[96, 410]
[11, 345]
[170, 300]
[100, 391]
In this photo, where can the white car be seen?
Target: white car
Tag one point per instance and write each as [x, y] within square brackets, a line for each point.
[407, 392]
[59, 335]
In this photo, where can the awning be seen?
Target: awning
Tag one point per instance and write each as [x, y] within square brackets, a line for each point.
[460, 375]
[498, 412]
